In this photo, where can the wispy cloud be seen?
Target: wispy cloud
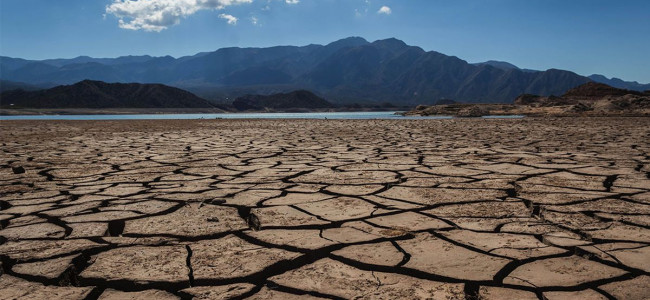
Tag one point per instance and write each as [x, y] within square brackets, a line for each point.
[292, 1]
[385, 10]
[157, 15]
[232, 20]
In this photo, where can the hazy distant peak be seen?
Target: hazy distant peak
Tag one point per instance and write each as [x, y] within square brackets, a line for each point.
[597, 77]
[88, 82]
[135, 57]
[390, 42]
[498, 64]
[603, 79]
[353, 41]
[620, 83]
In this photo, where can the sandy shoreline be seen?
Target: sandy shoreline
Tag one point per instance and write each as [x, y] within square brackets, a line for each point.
[279, 209]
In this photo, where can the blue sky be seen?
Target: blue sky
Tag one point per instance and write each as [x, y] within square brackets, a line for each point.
[585, 36]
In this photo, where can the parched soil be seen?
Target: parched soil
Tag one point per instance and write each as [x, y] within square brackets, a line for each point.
[336, 209]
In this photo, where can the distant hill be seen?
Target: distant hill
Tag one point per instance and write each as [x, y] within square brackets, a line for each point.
[97, 94]
[6, 85]
[350, 70]
[295, 99]
[618, 83]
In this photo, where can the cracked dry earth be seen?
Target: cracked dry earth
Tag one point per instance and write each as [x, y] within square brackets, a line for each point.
[364, 209]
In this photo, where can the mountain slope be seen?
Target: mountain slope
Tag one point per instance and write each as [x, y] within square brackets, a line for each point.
[295, 99]
[6, 85]
[97, 94]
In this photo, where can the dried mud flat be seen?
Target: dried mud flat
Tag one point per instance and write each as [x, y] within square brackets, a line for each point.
[284, 209]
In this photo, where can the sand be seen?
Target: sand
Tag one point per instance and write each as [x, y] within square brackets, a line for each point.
[338, 209]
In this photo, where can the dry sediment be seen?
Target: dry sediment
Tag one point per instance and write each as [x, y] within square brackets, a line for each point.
[266, 209]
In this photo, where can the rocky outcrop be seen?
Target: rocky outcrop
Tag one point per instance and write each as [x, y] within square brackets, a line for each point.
[462, 110]
[588, 99]
[474, 111]
[527, 99]
[592, 96]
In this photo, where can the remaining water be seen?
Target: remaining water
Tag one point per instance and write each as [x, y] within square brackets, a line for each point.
[382, 115]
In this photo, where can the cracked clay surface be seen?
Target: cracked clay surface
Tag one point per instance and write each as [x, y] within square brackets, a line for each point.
[334, 209]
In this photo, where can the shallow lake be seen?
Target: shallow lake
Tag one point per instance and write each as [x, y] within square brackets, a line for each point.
[382, 115]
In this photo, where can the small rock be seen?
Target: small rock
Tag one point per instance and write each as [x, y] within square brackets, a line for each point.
[254, 222]
[216, 201]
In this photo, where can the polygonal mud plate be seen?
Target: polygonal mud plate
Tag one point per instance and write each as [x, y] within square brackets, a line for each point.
[232, 257]
[561, 271]
[221, 292]
[16, 288]
[111, 294]
[331, 277]
[139, 263]
[190, 220]
[436, 256]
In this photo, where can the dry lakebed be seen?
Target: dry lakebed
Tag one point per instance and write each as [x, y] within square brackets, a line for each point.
[533, 208]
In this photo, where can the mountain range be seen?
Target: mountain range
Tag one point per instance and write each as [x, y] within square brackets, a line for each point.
[613, 82]
[346, 71]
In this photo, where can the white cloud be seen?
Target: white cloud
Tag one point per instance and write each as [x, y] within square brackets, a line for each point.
[292, 1]
[157, 15]
[232, 20]
[254, 21]
[385, 10]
